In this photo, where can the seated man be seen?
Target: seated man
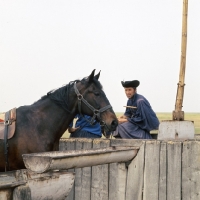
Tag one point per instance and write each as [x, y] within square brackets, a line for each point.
[83, 128]
[139, 118]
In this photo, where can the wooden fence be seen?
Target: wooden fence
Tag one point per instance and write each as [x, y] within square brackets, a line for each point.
[164, 170]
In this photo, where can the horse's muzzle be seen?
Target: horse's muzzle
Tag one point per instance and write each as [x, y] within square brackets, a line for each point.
[113, 125]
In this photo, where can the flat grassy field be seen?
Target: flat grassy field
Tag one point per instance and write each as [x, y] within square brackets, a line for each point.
[195, 117]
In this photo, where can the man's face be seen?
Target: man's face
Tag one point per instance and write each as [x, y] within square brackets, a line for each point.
[129, 92]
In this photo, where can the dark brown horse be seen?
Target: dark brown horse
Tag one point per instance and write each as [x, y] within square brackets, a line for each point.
[40, 126]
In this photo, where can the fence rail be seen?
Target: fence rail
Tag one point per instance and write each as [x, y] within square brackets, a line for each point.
[164, 170]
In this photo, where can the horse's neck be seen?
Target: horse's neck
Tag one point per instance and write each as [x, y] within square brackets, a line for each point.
[55, 118]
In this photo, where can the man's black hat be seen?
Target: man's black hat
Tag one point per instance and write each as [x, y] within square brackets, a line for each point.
[134, 83]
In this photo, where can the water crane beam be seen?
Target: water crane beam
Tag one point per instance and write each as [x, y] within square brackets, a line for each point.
[178, 114]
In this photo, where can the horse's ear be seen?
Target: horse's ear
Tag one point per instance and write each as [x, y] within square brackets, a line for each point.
[91, 76]
[97, 76]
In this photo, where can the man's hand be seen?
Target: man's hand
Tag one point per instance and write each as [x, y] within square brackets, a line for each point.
[71, 130]
[122, 119]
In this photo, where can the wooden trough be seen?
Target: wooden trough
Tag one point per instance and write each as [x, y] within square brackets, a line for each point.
[46, 176]
[23, 184]
[43, 162]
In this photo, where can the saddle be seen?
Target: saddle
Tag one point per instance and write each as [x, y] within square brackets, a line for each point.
[11, 125]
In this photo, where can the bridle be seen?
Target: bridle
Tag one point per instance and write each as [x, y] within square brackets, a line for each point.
[96, 113]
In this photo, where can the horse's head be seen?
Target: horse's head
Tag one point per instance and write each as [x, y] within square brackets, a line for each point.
[92, 101]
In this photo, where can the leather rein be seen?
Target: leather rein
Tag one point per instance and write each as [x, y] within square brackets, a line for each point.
[7, 122]
[96, 113]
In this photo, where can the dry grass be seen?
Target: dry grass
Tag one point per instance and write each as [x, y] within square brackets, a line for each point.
[195, 117]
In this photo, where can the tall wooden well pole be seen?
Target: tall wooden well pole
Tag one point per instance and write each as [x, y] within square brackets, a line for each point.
[178, 114]
[178, 128]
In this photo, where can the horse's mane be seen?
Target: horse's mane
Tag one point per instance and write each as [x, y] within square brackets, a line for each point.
[61, 95]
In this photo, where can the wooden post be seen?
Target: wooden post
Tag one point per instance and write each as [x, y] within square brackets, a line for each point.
[178, 114]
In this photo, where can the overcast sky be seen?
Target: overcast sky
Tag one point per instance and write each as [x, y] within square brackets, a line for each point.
[45, 44]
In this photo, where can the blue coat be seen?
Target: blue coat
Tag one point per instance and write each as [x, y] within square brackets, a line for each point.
[141, 120]
[143, 116]
[86, 126]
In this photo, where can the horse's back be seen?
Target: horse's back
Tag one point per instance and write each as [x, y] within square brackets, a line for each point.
[18, 143]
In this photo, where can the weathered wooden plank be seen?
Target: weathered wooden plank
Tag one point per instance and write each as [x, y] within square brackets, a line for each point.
[78, 176]
[174, 151]
[99, 187]
[6, 194]
[186, 170]
[135, 176]
[86, 175]
[151, 175]
[83, 175]
[69, 144]
[12, 184]
[22, 192]
[62, 144]
[191, 170]
[126, 142]
[117, 181]
[11, 179]
[8, 181]
[162, 190]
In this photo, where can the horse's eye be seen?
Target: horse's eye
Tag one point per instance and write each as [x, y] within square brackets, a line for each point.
[96, 93]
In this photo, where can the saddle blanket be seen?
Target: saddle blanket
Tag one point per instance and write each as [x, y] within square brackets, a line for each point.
[11, 126]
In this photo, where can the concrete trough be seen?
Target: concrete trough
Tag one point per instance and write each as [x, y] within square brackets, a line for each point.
[58, 160]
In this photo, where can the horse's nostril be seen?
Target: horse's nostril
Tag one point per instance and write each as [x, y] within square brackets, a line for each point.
[114, 125]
